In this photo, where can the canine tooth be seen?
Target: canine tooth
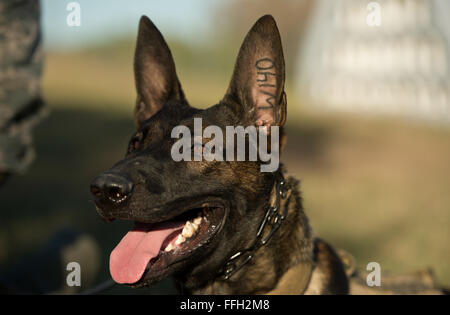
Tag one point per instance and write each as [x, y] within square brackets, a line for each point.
[180, 239]
[188, 229]
[169, 248]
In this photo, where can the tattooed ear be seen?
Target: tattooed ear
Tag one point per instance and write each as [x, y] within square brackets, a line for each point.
[257, 86]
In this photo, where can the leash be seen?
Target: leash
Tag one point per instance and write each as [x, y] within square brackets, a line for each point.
[272, 220]
[99, 288]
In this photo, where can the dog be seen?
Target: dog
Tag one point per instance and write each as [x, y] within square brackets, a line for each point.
[219, 226]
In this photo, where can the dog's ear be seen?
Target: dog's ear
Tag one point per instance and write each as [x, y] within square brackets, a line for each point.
[257, 84]
[154, 71]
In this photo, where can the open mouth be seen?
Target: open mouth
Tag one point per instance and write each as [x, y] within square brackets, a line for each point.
[149, 251]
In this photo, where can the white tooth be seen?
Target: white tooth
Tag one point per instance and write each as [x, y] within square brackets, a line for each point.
[188, 229]
[197, 221]
[180, 239]
[169, 247]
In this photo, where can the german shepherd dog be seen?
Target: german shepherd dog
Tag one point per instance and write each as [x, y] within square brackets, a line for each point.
[216, 226]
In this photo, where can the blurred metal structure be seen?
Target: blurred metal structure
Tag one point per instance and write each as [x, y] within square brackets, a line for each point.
[400, 66]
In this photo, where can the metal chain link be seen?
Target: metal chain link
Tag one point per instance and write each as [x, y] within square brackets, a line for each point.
[272, 219]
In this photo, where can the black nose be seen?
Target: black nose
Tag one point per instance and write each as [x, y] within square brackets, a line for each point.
[111, 187]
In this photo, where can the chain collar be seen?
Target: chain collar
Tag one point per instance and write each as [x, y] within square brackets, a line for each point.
[272, 221]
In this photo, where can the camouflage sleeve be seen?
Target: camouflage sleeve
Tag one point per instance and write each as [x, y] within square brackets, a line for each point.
[21, 106]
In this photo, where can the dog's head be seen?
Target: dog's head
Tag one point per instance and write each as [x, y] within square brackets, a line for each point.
[191, 216]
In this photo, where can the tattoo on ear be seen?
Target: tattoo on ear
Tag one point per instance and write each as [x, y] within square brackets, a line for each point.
[265, 96]
[266, 77]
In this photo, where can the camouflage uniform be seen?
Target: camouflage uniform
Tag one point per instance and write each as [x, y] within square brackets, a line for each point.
[21, 106]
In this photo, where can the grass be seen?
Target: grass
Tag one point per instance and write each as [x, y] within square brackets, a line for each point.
[378, 187]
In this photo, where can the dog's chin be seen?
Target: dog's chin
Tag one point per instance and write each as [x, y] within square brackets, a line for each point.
[151, 252]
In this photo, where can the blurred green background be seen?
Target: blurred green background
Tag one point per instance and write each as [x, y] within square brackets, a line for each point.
[377, 186]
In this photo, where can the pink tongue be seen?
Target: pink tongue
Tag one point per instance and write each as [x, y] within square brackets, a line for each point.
[131, 256]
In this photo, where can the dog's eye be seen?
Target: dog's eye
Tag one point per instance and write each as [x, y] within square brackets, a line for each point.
[135, 144]
[199, 146]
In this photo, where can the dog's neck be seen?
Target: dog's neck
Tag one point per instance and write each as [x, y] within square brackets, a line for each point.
[283, 265]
